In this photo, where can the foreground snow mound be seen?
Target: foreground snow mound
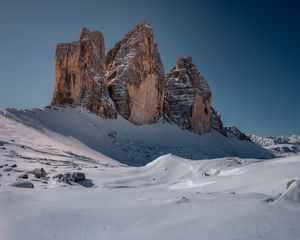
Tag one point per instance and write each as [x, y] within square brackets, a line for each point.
[292, 193]
[131, 144]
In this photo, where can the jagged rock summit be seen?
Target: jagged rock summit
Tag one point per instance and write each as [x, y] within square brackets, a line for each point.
[188, 97]
[79, 75]
[136, 76]
[130, 81]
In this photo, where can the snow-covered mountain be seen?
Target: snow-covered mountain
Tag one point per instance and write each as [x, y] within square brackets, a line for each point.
[132, 144]
[281, 145]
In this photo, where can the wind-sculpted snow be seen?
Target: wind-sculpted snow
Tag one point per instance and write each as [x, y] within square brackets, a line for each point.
[169, 198]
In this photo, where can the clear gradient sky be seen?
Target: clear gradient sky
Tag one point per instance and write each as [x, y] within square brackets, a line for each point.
[248, 51]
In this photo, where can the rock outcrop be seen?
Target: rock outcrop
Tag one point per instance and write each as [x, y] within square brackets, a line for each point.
[135, 75]
[187, 97]
[79, 75]
[232, 131]
[130, 81]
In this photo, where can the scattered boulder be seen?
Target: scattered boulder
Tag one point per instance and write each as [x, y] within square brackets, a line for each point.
[13, 165]
[75, 177]
[23, 176]
[7, 169]
[4, 165]
[78, 176]
[39, 172]
[23, 184]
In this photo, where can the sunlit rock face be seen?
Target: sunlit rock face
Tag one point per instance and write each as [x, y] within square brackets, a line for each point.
[130, 81]
[79, 75]
[135, 75]
[187, 97]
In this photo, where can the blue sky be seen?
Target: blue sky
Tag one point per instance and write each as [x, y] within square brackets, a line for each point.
[248, 51]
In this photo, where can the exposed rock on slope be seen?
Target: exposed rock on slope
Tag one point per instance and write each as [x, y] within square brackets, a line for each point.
[188, 97]
[216, 122]
[79, 75]
[233, 131]
[136, 76]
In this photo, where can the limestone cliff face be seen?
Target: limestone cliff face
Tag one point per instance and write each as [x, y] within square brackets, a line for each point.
[79, 75]
[135, 75]
[187, 100]
[130, 81]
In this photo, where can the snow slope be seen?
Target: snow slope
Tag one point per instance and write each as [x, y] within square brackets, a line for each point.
[169, 198]
[131, 144]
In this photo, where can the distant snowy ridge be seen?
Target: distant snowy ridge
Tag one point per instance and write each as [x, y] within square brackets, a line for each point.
[131, 144]
[281, 145]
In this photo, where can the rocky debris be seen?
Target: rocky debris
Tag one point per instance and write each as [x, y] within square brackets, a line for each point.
[13, 165]
[70, 177]
[180, 200]
[233, 131]
[79, 75]
[187, 97]
[23, 176]
[78, 176]
[135, 75]
[22, 184]
[289, 183]
[216, 122]
[273, 199]
[0, 175]
[6, 169]
[4, 165]
[39, 172]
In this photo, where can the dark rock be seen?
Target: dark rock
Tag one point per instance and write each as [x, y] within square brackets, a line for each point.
[289, 183]
[13, 165]
[39, 172]
[24, 176]
[4, 165]
[233, 131]
[78, 176]
[7, 169]
[23, 184]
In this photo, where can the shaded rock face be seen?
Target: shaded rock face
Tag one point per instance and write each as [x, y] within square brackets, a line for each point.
[187, 100]
[233, 131]
[79, 75]
[216, 122]
[135, 75]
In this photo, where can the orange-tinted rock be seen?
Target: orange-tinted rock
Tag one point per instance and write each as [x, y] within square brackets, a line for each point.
[135, 75]
[188, 98]
[79, 75]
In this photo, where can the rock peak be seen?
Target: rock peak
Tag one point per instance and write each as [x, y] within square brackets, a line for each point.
[136, 76]
[188, 97]
[79, 75]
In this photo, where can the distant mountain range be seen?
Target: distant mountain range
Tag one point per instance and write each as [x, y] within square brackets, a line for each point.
[281, 145]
